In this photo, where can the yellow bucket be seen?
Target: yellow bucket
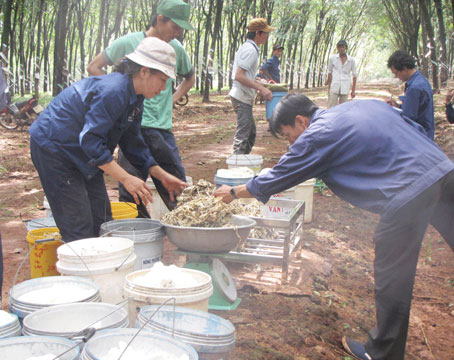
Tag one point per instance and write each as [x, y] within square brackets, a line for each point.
[124, 210]
[44, 256]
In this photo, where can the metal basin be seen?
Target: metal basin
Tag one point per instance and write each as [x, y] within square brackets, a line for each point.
[210, 240]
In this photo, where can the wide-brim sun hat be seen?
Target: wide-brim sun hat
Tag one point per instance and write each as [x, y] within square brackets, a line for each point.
[177, 11]
[155, 54]
[259, 24]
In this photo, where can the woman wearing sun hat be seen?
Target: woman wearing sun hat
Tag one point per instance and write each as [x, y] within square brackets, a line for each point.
[73, 140]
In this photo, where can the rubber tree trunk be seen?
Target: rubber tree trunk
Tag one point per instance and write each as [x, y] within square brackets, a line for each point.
[59, 82]
[442, 39]
[433, 49]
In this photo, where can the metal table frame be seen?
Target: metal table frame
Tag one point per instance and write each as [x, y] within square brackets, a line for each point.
[273, 251]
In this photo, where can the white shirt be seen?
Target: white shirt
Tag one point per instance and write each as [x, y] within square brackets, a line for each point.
[341, 81]
[247, 58]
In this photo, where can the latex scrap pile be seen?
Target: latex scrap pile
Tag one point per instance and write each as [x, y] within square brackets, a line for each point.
[197, 207]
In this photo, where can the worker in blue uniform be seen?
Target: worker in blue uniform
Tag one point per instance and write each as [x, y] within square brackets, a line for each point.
[73, 140]
[379, 160]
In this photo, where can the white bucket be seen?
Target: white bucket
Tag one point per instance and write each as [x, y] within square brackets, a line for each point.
[31, 295]
[210, 335]
[251, 161]
[105, 260]
[305, 192]
[69, 319]
[9, 325]
[233, 177]
[302, 192]
[194, 297]
[47, 207]
[109, 344]
[24, 347]
[148, 236]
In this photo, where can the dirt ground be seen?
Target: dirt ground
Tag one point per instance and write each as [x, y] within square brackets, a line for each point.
[330, 289]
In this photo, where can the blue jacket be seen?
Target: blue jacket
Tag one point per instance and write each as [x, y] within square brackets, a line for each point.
[365, 151]
[418, 102]
[87, 120]
[272, 66]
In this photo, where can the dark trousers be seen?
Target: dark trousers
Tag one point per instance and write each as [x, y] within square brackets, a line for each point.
[246, 132]
[79, 205]
[398, 241]
[164, 150]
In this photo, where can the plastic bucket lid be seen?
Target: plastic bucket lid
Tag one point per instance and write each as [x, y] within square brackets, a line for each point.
[104, 253]
[233, 176]
[137, 230]
[24, 347]
[207, 333]
[65, 320]
[39, 286]
[145, 343]
[9, 325]
[156, 295]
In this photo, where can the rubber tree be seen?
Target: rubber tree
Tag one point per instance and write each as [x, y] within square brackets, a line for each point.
[404, 23]
[442, 40]
[431, 37]
[61, 28]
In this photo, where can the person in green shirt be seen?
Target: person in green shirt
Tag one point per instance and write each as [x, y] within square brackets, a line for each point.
[167, 24]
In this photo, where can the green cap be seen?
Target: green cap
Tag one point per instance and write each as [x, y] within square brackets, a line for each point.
[177, 11]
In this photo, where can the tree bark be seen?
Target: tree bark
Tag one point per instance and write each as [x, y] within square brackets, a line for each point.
[38, 49]
[100, 27]
[6, 33]
[442, 39]
[209, 60]
[433, 50]
[59, 82]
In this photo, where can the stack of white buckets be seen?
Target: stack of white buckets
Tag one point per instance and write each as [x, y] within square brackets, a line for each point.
[302, 192]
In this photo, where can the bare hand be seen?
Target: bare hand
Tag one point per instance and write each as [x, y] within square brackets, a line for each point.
[392, 103]
[224, 192]
[267, 94]
[353, 94]
[173, 185]
[138, 189]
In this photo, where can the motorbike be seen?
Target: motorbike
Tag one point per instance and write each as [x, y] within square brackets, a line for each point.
[20, 114]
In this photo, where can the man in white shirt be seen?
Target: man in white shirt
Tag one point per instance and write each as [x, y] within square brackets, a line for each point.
[245, 85]
[339, 80]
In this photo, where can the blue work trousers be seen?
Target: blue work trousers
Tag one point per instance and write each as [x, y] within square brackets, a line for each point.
[398, 241]
[79, 205]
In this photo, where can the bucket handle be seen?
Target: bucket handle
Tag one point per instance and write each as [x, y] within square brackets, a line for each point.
[88, 327]
[37, 242]
[146, 322]
[87, 333]
[126, 258]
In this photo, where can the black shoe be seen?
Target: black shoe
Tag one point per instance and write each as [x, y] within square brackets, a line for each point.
[355, 348]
